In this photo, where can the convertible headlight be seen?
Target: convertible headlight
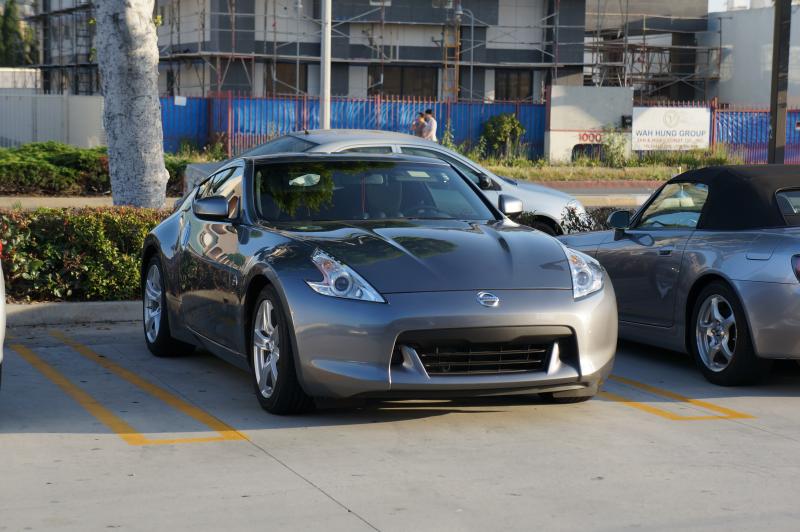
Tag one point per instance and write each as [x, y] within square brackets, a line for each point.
[339, 280]
[587, 274]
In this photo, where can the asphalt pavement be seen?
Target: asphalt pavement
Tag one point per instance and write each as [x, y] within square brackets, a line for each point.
[95, 433]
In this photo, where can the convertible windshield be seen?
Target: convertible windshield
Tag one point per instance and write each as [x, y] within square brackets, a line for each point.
[364, 190]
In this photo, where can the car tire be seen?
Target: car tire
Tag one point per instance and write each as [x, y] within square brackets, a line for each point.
[275, 380]
[720, 341]
[155, 320]
[544, 228]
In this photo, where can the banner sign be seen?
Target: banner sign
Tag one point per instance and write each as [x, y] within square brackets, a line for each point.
[671, 128]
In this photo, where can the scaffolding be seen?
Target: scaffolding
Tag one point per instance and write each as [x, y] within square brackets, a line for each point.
[657, 56]
[66, 30]
[207, 46]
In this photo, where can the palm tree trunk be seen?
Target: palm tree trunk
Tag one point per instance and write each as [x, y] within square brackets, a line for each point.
[127, 55]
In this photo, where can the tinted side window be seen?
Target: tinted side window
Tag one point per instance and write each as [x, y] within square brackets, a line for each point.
[287, 144]
[789, 203]
[231, 190]
[369, 149]
[463, 168]
[209, 187]
[678, 205]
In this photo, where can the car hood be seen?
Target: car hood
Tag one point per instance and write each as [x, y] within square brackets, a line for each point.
[441, 255]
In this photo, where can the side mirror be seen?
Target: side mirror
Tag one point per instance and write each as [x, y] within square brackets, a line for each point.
[213, 208]
[509, 205]
[484, 182]
[619, 221]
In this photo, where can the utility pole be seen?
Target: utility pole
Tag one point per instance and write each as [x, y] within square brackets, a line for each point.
[325, 67]
[780, 80]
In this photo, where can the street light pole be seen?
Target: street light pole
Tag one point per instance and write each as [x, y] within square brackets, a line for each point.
[460, 12]
[780, 80]
[325, 67]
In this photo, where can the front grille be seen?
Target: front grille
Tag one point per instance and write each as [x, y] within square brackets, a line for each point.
[483, 359]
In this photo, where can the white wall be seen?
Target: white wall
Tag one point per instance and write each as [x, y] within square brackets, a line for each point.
[288, 27]
[519, 25]
[746, 67]
[76, 120]
[20, 79]
[578, 115]
[358, 82]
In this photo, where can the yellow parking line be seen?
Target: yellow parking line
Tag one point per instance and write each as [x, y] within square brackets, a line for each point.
[226, 432]
[725, 413]
[105, 416]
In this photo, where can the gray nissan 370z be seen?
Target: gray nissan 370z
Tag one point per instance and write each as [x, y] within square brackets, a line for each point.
[373, 276]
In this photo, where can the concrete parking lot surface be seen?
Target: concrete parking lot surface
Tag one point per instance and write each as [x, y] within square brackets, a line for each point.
[95, 433]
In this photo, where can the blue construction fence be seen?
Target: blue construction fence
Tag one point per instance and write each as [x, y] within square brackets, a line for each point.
[243, 122]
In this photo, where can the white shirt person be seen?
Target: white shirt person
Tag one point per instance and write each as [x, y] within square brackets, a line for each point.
[429, 131]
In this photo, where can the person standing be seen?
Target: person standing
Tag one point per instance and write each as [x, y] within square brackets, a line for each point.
[418, 125]
[429, 132]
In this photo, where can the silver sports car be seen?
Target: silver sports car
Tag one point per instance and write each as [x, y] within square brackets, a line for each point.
[548, 205]
[376, 276]
[710, 265]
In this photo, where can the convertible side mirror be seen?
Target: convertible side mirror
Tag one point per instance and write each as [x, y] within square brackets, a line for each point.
[484, 182]
[213, 208]
[619, 221]
[509, 205]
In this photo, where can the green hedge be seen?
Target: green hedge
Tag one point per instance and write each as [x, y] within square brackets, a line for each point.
[44, 168]
[74, 254]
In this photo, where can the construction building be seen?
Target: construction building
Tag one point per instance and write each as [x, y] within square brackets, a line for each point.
[430, 49]
[65, 29]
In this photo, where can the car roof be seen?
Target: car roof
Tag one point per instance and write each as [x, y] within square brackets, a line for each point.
[372, 157]
[742, 196]
[331, 136]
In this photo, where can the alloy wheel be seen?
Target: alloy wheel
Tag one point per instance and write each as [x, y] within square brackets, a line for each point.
[716, 333]
[152, 303]
[266, 348]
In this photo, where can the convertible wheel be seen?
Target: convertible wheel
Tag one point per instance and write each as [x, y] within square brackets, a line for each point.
[276, 385]
[721, 342]
[154, 315]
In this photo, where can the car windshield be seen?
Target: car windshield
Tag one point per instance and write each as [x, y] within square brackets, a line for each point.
[364, 190]
[286, 144]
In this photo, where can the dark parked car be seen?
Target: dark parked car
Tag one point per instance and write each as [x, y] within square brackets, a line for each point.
[373, 276]
[710, 265]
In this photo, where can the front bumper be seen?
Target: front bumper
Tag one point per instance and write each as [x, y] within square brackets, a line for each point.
[773, 311]
[344, 348]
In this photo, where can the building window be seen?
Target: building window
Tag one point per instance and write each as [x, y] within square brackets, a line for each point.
[285, 81]
[510, 84]
[403, 81]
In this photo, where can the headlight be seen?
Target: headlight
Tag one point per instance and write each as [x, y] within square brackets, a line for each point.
[587, 274]
[339, 280]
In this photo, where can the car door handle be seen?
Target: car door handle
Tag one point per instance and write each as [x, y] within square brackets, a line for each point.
[665, 252]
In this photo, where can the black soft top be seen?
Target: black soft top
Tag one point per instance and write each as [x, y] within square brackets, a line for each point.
[742, 197]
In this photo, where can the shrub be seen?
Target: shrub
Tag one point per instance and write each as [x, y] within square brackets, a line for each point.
[503, 133]
[43, 168]
[74, 254]
[614, 148]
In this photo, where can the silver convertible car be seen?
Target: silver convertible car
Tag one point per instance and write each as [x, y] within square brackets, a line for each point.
[549, 206]
[711, 265]
[373, 276]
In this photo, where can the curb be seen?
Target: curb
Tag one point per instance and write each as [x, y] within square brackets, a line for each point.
[27, 315]
[620, 185]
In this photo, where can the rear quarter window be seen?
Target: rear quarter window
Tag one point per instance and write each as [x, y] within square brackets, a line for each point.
[789, 204]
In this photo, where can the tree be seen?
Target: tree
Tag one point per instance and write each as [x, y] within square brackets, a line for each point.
[127, 56]
[11, 36]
